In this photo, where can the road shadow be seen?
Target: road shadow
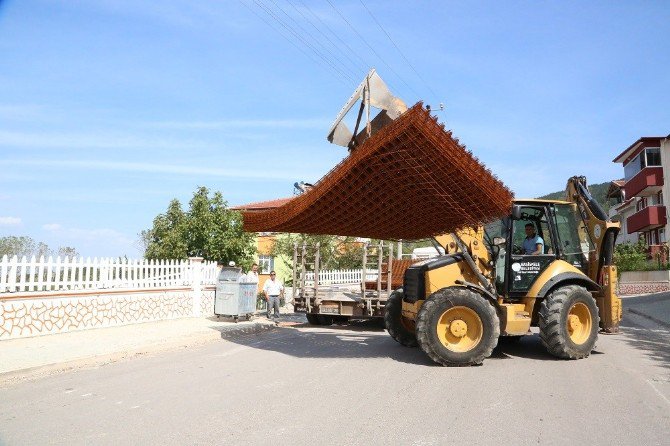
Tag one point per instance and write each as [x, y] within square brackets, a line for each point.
[654, 342]
[528, 347]
[359, 339]
[365, 339]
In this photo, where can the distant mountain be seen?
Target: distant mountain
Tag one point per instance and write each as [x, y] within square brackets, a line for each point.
[598, 191]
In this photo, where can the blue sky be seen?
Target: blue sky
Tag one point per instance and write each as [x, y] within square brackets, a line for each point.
[109, 109]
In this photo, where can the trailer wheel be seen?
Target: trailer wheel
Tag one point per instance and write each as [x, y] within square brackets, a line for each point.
[313, 319]
[569, 322]
[457, 327]
[400, 328]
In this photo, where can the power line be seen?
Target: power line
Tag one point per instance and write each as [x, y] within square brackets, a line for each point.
[397, 48]
[316, 42]
[278, 31]
[371, 48]
[366, 66]
[308, 20]
[288, 28]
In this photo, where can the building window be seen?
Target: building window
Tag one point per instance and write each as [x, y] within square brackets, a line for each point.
[266, 264]
[653, 156]
[641, 204]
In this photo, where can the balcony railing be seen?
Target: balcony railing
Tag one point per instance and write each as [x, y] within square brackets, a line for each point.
[647, 218]
[646, 182]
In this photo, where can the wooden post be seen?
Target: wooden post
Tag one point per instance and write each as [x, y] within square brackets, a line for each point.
[302, 276]
[363, 272]
[317, 258]
[380, 255]
[295, 271]
[389, 279]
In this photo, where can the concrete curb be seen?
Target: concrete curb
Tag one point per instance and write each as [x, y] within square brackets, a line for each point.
[98, 360]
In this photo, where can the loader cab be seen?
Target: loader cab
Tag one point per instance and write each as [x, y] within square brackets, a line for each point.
[564, 237]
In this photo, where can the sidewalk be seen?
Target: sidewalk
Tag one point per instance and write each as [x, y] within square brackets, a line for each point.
[41, 355]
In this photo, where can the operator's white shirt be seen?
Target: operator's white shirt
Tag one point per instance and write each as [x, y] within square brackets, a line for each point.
[273, 287]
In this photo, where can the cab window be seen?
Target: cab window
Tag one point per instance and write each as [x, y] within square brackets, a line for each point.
[535, 218]
[573, 237]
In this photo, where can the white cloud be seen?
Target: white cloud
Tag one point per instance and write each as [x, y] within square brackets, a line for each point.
[239, 172]
[246, 123]
[97, 241]
[97, 141]
[10, 221]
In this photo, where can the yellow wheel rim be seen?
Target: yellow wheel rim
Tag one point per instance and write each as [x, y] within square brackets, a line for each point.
[579, 323]
[460, 329]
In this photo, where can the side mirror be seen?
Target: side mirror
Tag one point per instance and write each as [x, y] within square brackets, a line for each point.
[498, 241]
[516, 212]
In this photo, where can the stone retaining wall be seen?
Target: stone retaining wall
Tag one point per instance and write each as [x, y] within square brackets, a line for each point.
[33, 315]
[643, 282]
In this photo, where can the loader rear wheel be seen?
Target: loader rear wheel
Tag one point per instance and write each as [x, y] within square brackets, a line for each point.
[569, 322]
[313, 319]
[400, 328]
[457, 327]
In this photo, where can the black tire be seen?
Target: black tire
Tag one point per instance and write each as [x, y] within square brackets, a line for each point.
[477, 319]
[398, 327]
[569, 322]
[325, 320]
[313, 319]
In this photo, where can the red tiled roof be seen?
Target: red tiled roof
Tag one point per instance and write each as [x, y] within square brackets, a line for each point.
[262, 205]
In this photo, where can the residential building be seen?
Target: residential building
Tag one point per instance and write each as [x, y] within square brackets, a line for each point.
[642, 211]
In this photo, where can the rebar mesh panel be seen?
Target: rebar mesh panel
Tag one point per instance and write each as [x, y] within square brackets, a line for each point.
[410, 180]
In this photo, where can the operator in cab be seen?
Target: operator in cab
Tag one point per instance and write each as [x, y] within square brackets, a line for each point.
[533, 243]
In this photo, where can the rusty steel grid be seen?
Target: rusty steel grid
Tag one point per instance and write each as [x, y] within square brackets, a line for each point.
[410, 180]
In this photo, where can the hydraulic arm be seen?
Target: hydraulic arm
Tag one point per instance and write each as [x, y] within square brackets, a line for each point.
[603, 233]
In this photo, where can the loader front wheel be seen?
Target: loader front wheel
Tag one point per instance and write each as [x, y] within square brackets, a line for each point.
[313, 319]
[400, 328]
[457, 327]
[569, 322]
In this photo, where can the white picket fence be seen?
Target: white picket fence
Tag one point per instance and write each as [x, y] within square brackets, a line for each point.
[24, 275]
[340, 276]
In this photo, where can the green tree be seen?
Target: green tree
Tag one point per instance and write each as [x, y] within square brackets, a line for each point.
[167, 237]
[209, 229]
[17, 246]
[68, 251]
[631, 257]
[26, 246]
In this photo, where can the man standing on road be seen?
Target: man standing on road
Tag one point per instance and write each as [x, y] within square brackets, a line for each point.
[273, 290]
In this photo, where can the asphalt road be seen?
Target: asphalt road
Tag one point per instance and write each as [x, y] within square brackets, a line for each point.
[353, 385]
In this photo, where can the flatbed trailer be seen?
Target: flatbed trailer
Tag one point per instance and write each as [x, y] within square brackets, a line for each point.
[325, 301]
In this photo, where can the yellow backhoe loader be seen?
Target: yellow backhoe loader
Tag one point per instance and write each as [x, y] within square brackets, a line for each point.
[486, 287]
